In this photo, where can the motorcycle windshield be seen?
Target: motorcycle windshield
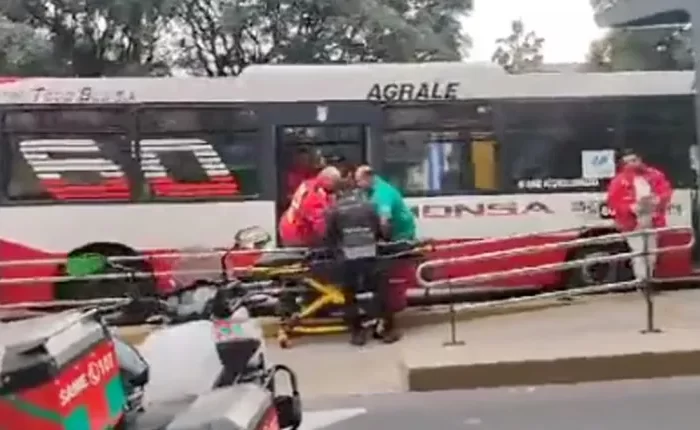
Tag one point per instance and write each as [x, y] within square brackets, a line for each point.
[130, 362]
[183, 361]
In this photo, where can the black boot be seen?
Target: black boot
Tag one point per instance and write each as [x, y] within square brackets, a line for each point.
[390, 334]
[358, 337]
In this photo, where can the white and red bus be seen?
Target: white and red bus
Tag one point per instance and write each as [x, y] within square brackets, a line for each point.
[151, 165]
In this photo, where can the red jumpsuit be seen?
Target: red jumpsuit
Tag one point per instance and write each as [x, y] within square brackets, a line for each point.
[304, 222]
[622, 197]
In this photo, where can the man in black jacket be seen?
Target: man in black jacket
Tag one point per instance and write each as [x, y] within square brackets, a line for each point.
[353, 233]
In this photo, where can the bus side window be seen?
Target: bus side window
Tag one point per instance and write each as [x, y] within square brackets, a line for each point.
[69, 154]
[240, 157]
[441, 148]
[542, 144]
[662, 131]
[198, 153]
[205, 166]
[72, 168]
[425, 162]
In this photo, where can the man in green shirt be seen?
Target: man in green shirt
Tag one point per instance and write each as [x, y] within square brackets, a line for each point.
[397, 223]
[396, 217]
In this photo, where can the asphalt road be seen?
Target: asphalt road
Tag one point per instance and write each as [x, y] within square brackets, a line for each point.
[669, 404]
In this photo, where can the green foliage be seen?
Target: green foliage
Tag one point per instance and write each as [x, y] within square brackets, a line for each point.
[94, 37]
[221, 37]
[642, 49]
[23, 51]
[521, 51]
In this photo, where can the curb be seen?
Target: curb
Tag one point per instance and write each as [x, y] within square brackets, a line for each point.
[643, 365]
[408, 319]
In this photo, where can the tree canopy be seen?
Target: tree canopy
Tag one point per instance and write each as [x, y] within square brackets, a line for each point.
[519, 52]
[221, 37]
[660, 48]
[642, 49]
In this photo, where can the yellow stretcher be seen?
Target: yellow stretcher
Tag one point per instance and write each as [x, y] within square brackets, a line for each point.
[311, 303]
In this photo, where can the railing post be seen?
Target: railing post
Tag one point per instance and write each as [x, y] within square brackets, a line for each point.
[453, 341]
[646, 286]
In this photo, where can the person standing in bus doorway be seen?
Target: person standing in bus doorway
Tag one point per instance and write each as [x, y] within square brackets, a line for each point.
[303, 167]
[342, 163]
[303, 224]
[638, 197]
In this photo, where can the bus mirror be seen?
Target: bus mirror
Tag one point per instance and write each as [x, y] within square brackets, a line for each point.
[252, 238]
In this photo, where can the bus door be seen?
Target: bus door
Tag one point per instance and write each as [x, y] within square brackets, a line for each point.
[303, 150]
[307, 137]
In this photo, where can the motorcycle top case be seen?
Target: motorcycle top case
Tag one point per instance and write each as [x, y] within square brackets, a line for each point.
[238, 341]
[59, 372]
[239, 407]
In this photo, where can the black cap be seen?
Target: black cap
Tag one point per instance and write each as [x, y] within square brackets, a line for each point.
[624, 152]
[627, 152]
[335, 158]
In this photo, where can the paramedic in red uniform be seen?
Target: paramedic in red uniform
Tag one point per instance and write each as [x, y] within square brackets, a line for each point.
[303, 168]
[639, 196]
[303, 224]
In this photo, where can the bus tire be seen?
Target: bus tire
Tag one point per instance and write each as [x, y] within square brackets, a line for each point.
[95, 289]
[594, 274]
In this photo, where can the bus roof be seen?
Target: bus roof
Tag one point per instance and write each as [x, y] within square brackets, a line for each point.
[319, 83]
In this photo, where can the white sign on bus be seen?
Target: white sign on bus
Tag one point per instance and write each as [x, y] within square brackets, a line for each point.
[598, 164]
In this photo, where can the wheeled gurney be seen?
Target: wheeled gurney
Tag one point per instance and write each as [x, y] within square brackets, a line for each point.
[311, 299]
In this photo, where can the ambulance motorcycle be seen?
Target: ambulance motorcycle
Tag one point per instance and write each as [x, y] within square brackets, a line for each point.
[204, 369]
[208, 342]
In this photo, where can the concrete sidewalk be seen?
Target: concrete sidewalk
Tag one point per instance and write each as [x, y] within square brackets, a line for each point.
[499, 344]
[589, 327]
[328, 366]
[598, 339]
[410, 318]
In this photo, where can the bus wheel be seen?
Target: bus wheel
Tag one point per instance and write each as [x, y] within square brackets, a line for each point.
[79, 289]
[598, 273]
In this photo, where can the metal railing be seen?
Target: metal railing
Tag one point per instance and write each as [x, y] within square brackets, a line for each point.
[606, 239]
[468, 243]
[126, 276]
[446, 284]
[644, 283]
[144, 257]
[131, 275]
[218, 252]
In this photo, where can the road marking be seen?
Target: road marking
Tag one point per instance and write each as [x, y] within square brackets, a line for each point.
[315, 420]
[517, 390]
